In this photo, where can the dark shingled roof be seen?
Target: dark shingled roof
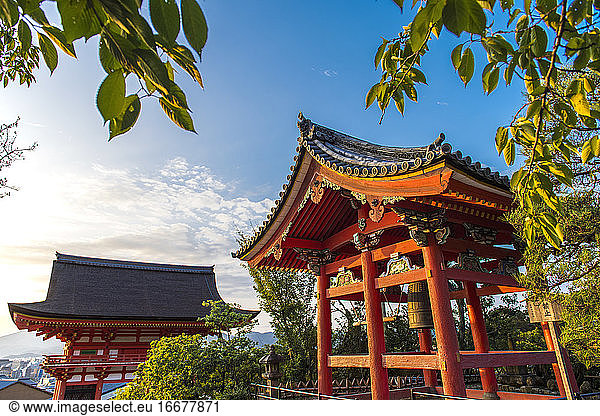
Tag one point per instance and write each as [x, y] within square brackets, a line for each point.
[101, 289]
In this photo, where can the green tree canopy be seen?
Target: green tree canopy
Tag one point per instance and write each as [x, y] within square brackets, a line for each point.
[288, 297]
[533, 42]
[129, 46]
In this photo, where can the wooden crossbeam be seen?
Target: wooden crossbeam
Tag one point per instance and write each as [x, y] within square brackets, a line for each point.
[389, 220]
[479, 277]
[487, 291]
[456, 245]
[410, 361]
[505, 358]
[401, 278]
[355, 361]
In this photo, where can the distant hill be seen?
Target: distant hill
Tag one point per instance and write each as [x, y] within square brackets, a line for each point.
[25, 344]
[261, 339]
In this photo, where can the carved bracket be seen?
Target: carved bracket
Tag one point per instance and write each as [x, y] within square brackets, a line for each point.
[507, 266]
[398, 264]
[365, 242]
[376, 211]
[362, 224]
[421, 223]
[354, 203]
[480, 234]
[469, 261]
[314, 258]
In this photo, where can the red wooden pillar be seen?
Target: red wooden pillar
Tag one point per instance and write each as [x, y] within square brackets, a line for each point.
[453, 381]
[98, 393]
[429, 376]
[325, 383]
[380, 389]
[480, 340]
[59, 390]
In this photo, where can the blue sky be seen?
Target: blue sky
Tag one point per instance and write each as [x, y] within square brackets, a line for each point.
[161, 194]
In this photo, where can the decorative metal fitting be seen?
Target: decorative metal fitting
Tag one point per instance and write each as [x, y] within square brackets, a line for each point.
[397, 264]
[344, 277]
[480, 234]
[421, 223]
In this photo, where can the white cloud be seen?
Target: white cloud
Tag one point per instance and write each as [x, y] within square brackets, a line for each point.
[179, 213]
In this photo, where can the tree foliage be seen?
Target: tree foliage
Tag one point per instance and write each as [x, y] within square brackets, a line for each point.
[9, 153]
[289, 298]
[129, 47]
[541, 40]
[191, 367]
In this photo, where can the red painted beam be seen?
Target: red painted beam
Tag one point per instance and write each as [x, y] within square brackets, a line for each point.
[505, 358]
[291, 242]
[410, 361]
[401, 278]
[479, 277]
[456, 245]
[487, 291]
[354, 361]
[337, 292]
[389, 220]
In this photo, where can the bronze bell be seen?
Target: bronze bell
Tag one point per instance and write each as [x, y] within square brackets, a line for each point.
[419, 308]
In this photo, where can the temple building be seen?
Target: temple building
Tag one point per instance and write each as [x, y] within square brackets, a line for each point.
[375, 222]
[108, 311]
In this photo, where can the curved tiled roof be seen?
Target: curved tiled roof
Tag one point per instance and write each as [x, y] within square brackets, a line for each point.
[354, 157]
[358, 158]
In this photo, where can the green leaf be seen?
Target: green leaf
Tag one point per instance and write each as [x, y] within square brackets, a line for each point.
[501, 138]
[372, 94]
[510, 152]
[539, 38]
[78, 19]
[419, 28]
[165, 18]
[59, 39]
[24, 34]
[128, 117]
[48, 52]
[534, 108]
[194, 25]
[154, 68]
[580, 104]
[9, 12]
[380, 52]
[417, 76]
[399, 101]
[411, 91]
[107, 59]
[456, 56]
[111, 95]
[464, 15]
[179, 116]
[467, 66]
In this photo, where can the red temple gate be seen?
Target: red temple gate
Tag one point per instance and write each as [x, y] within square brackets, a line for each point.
[365, 217]
[107, 312]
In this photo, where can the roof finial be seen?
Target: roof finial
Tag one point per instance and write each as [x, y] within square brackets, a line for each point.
[440, 139]
[304, 125]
